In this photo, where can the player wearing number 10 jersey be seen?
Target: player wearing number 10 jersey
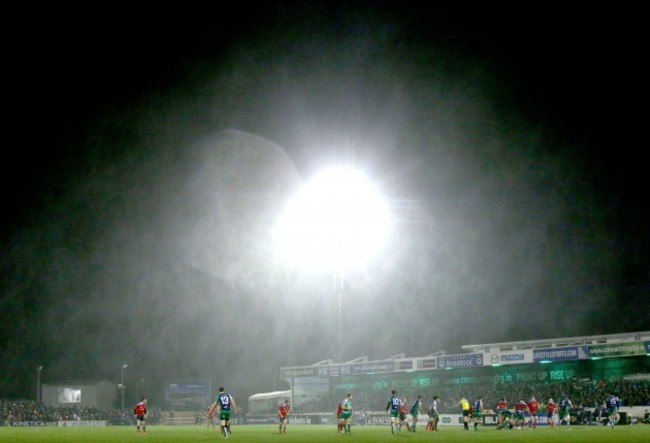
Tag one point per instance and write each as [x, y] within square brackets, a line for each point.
[393, 405]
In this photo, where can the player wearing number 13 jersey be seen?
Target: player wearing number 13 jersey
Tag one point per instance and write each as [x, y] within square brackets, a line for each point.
[225, 404]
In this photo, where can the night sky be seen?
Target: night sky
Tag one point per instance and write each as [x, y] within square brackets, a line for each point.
[147, 154]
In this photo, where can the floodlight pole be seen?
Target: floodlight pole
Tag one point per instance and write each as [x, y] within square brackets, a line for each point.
[38, 383]
[338, 289]
[138, 387]
[124, 366]
[340, 322]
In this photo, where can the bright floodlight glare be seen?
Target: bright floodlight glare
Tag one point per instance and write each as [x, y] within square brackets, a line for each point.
[338, 221]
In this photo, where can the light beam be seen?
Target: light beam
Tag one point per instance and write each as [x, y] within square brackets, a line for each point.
[338, 221]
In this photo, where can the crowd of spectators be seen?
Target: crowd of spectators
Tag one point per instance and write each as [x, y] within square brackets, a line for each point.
[583, 394]
[32, 411]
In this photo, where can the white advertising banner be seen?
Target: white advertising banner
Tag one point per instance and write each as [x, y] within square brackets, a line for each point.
[508, 357]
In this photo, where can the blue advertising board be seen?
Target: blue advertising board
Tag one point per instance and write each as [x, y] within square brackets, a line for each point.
[460, 361]
[561, 354]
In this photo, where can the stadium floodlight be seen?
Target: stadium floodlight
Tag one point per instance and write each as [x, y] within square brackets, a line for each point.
[336, 223]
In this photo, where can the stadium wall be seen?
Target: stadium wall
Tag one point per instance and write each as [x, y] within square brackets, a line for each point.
[601, 358]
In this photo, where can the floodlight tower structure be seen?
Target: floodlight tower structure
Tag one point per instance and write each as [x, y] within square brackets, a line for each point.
[336, 223]
[338, 291]
[124, 366]
[38, 383]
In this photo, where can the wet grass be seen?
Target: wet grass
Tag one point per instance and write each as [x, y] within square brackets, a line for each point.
[322, 433]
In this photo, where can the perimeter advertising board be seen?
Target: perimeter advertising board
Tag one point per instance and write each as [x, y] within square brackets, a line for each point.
[561, 354]
[618, 349]
[460, 361]
[508, 357]
[369, 367]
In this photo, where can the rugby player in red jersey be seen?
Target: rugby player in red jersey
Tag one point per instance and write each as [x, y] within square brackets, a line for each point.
[551, 407]
[403, 410]
[140, 412]
[503, 414]
[283, 416]
[521, 409]
[339, 419]
[533, 405]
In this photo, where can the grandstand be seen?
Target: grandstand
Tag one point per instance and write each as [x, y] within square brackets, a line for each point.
[581, 367]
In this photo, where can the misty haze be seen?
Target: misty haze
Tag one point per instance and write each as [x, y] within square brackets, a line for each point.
[152, 243]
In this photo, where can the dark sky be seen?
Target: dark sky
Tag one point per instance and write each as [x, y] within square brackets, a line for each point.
[508, 141]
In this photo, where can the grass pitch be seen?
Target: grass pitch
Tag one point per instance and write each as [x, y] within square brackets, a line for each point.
[323, 433]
